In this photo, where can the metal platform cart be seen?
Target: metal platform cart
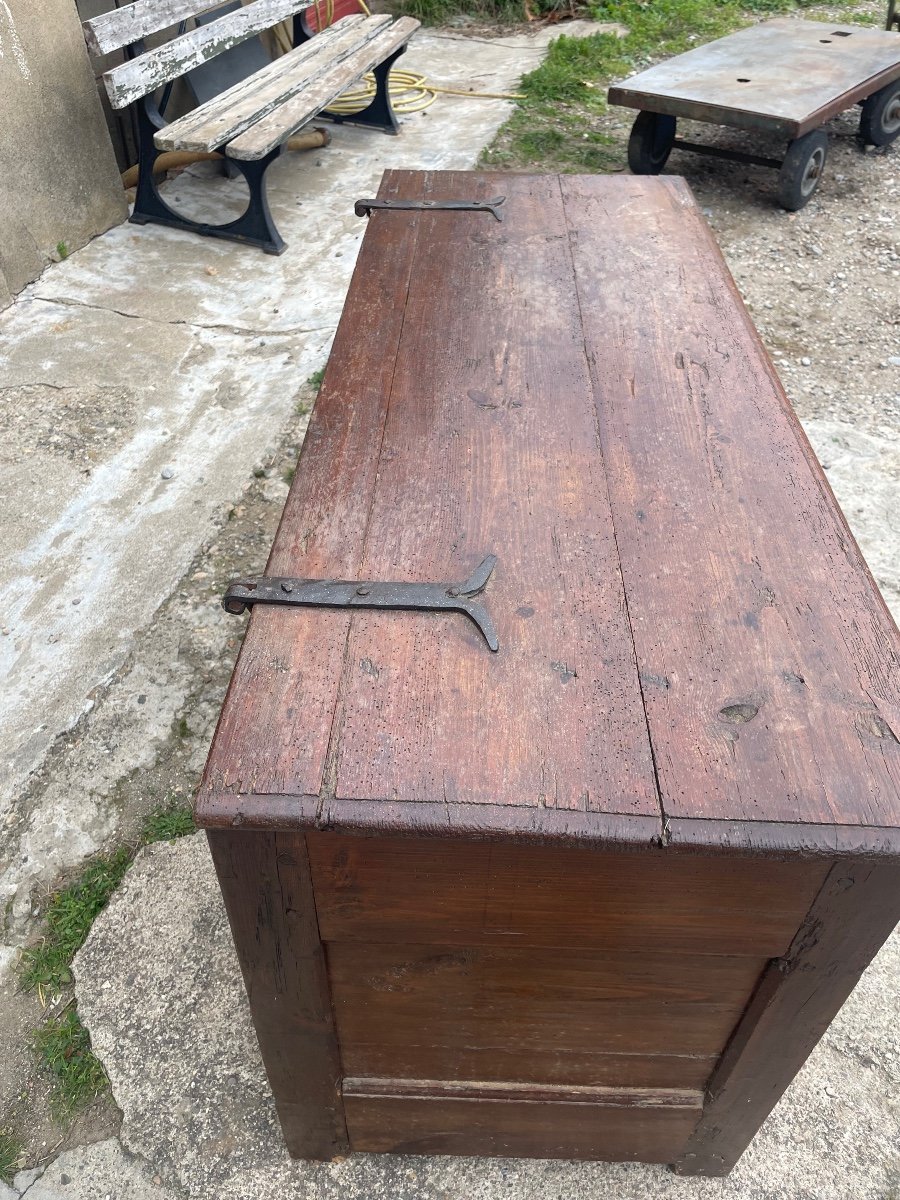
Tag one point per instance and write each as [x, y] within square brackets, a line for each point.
[782, 77]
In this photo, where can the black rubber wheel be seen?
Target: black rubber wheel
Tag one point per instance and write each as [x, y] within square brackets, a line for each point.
[879, 122]
[802, 170]
[650, 144]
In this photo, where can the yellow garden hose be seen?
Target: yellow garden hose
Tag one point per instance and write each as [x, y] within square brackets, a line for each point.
[410, 93]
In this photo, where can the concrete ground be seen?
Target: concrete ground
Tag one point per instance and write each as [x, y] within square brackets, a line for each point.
[152, 403]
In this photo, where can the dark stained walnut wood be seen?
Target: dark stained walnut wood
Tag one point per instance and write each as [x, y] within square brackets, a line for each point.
[268, 895]
[644, 1126]
[596, 895]
[540, 1016]
[797, 998]
[770, 666]
[467, 894]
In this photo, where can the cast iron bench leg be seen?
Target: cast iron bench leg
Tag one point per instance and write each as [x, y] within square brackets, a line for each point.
[380, 112]
[254, 227]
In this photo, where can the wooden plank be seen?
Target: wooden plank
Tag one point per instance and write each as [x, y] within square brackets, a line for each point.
[770, 664]
[784, 76]
[505, 1066]
[275, 727]
[303, 105]
[231, 112]
[266, 886]
[552, 1016]
[491, 447]
[138, 76]
[449, 1124]
[798, 998]
[481, 894]
[122, 27]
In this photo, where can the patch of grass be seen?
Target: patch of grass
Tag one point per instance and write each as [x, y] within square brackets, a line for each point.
[181, 728]
[168, 822]
[288, 475]
[71, 911]
[315, 380]
[68, 919]
[63, 1046]
[554, 127]
[62, 250]
[10, 1155]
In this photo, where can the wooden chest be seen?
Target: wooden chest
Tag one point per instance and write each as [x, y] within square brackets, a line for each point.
[598, 894]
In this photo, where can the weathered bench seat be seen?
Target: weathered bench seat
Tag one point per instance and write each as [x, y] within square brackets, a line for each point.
[251, 121]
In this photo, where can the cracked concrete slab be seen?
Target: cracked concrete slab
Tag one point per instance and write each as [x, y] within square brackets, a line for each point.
[102, 1171]
[159, 988]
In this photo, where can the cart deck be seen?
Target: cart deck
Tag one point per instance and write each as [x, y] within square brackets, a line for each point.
[784, 76]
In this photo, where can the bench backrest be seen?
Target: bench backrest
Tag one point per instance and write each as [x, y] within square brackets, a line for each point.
[123, 26]
[139, 76]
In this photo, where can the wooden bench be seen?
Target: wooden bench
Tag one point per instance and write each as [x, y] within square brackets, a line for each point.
[251, 121]
[591, 879]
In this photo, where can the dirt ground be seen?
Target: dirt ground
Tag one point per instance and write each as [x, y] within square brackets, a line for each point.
[824, 289]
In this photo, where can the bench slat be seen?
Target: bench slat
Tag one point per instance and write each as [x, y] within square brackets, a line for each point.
[137, 77]
[122, 26]
[271, 130]
[231, 113]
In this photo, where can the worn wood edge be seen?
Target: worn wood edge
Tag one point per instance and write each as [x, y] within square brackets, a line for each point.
[484, 822]
[529, 1093]
[795, 1001]
[136, 77]
[121, 26]
[785, 839]
[712, 114]
[849, 98]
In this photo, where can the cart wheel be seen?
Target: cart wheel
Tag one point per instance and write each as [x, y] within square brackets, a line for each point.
[802, 170]
[879, 123]
[650, 143]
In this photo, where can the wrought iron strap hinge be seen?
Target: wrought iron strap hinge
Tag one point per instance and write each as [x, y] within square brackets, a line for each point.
[365, 208]
[345, 593]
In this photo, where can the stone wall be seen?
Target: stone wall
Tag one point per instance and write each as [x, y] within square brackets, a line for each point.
[59, 185]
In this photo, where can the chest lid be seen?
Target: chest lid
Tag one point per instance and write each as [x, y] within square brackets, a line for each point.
[689, 642]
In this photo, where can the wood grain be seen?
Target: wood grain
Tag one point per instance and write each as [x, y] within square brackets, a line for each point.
[783, 76]
[268, 896]
[530, 1015]
[477, 894]
[136, 77]
[212, 124]
[305, 104]
[491, 447]
[276, 723]
[123, 26]
[434, 1124]
[797, 999]
[770, 666]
